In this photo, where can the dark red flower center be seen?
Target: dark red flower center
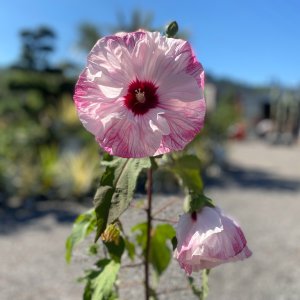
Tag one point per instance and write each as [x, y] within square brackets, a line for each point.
[141, 96]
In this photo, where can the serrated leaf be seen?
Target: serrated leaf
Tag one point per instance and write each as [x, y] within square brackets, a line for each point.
[100, 282]
[83, 226]
[116, 189]
[187, 168]
[103, 284]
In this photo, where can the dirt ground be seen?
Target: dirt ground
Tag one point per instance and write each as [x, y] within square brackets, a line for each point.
[260, 188]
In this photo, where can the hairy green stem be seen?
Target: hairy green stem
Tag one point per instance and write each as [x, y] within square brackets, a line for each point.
[149, 227]
[204, 287]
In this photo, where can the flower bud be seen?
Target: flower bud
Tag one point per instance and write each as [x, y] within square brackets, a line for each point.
[207, 239]
[111, 234]
[172, 29]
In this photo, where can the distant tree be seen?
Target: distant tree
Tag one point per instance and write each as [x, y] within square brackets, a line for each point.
[137, 21]
[90, 33]
[36, 46]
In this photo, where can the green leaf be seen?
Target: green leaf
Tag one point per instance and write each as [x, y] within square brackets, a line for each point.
[141, 237]
[100, 282]
[130, 247]
[187, 168]
[103, 284]
[116, 189]
[195, 202]
[93, 249]
[160, 252]
[116, 250]
[83, 226]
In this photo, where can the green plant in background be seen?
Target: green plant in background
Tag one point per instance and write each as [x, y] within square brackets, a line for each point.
[40, 137]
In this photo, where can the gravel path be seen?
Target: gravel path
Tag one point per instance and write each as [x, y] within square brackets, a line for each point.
[261, 189]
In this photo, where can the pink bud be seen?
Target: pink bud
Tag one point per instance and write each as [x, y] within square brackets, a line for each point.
[207, 239]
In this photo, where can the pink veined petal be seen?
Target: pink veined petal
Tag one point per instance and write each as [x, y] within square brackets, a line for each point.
[185, 121]
[184, 231]
[111, 59]
[209, 224]
[226, 244]
[111, 92]
[202, 79]
[245, 253]
[131, 38]
[155, 119]
[180, 86]
[129, 136]
[86, 90]
[232, 239]
[186, 61]
[163, 53]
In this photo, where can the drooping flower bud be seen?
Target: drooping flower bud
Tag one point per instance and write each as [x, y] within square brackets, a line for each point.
[207, 239]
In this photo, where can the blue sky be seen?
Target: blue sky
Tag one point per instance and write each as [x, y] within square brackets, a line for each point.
[252, 41]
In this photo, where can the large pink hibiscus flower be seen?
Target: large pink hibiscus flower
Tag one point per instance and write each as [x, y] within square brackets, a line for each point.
[141, 94]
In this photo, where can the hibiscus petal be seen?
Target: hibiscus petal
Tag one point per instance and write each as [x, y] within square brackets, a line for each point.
[180, 86]
[209, 240]
[185, 121]
[129, 136]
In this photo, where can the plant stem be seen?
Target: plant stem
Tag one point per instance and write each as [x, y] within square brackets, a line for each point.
[149, 227]
[204, 287]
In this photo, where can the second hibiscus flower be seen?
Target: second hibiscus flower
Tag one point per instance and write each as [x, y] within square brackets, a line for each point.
[141, 94]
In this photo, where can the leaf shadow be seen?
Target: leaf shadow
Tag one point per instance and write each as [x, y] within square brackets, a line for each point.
[13, 219]
[233, 175]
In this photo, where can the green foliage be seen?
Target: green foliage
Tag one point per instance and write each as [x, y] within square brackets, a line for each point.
[36, 45]
[44, 149]
[141, 237]
[160, 247]
[187, 168]
[88, 36]
[93, 249]
[100, 282]
[160, 252]
[116, 250]
[116, 189]
[195, 201]
[130, 247]
[225, 114]
[83, 226]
